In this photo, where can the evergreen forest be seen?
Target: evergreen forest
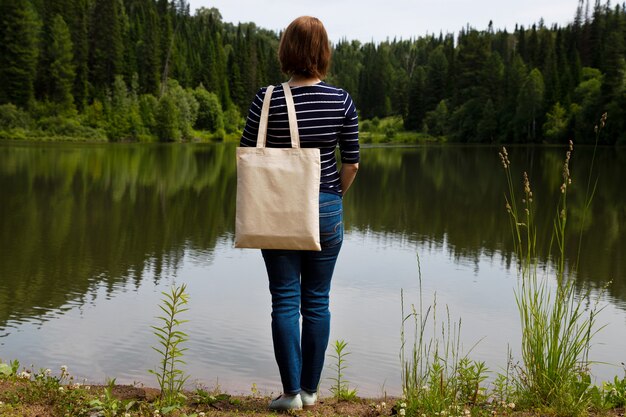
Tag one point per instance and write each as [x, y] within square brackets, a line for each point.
[151, 70]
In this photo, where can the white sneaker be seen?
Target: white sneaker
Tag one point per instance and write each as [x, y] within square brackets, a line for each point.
[308, 399]
[286, 402]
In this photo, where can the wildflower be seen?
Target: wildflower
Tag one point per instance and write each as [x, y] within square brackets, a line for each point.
[76, 385]
[47, 372]
[201, 414]
[402, 405]
[126, 414]
[61, 389]
[402, 412]
[24, 375]
[383, 404]
[87, 387]
[511, 405]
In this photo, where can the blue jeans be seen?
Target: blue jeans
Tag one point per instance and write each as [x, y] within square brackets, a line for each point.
[299, 282]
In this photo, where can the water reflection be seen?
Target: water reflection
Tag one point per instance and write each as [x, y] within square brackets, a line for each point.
[91, 233]
[74, 218]
[453, 196]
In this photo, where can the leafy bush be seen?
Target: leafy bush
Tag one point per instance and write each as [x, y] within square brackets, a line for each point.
[12, 117]
[186, 109]
[64, 126]
[167, 120]
[210, 114]
[233, 122]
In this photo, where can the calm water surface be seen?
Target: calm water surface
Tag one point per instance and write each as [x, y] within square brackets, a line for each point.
[91, 234]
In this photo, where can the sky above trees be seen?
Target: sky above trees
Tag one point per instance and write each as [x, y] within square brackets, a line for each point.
[376, 20]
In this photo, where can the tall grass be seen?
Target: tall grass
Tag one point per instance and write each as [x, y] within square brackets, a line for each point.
[436, 376]
[557, 324]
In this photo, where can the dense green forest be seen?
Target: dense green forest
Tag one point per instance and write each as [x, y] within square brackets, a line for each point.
[151, 70]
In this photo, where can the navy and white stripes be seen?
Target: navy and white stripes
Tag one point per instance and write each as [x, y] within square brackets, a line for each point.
[326, 117]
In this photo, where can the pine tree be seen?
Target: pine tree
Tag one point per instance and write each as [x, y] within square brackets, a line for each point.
[62, 72]
[530, 102]
[417, 97]
[148, 54]
[106, 51]
[488, 126]
[79, 28]
[436, 78]
[19, 29]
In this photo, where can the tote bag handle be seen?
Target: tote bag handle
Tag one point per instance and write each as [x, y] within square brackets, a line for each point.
[291, 113]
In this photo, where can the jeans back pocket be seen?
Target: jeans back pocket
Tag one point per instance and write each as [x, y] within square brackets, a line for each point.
[331, 221]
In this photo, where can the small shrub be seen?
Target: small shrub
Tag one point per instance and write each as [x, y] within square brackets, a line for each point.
[12, 117]
[170, 340]
[340, 388]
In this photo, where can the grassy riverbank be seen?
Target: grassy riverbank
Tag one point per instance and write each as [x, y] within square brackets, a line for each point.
[25, 394]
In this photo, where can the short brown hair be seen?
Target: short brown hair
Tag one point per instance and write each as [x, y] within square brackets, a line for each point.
[304, 48]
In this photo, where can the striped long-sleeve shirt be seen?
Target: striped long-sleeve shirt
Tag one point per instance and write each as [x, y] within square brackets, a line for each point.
[327, 118]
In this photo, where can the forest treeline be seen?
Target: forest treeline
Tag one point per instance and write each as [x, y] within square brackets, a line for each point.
[152, 70]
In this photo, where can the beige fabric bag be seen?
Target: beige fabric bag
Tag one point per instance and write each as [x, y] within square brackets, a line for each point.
[278, 190]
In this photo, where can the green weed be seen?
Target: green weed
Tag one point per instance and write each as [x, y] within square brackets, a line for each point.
[170, 340]
[437, 378]
[340, 388]
[557, 324]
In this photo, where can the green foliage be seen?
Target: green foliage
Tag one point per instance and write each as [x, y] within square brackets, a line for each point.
[148, 107]
[210, 115]
[106, 48]
[437, 379]
[62, 72]
[184, 115]
[555, 127]
[124, 118]
[9, 369]
[233, 122]
[12, 117]
[437, 121]
[487, 130]
[69, 127]
[201, 396]
[340, 387]
[615, 393]
[167, 120]
[170, 340]
[108, 405]
[19, 50]
[557, 324]
[497, 86]
[530, 102]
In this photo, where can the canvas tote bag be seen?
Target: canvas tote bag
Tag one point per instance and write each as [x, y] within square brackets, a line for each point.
[278, 190]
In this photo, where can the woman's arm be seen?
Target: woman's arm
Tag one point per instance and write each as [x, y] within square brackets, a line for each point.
[347, 175]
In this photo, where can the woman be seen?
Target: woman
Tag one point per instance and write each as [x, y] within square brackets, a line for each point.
[299, 281]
